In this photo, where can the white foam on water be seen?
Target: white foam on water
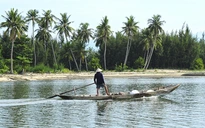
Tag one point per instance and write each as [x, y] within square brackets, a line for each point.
[150, 97]
[18, 102]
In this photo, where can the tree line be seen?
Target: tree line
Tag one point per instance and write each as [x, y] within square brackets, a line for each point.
[56, 46]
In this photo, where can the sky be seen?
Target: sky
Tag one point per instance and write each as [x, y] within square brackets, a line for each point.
[173, 12]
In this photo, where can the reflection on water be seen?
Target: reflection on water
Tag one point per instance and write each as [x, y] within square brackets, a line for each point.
[101, 106]
[24, 104]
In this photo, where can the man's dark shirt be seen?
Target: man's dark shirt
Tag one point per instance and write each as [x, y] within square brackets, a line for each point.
[99, 77]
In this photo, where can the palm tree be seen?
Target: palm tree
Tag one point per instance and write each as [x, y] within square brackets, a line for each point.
[80, 50]
[65, 54]
[32, 16]
[130, 29]
[16, 26]
[44, 31]
[43, 35]
[103, 33]
[63, 27]
[146, 40]
[48, 18]
[84, 35]
[155, 29]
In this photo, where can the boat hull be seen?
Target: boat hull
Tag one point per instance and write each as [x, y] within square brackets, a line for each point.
[119, 96]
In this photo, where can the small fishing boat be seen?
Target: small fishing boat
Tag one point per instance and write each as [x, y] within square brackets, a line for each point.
[124, 95]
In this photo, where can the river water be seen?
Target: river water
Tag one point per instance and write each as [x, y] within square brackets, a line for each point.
[24, 104]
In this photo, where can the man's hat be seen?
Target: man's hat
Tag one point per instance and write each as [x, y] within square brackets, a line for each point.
[99, 70]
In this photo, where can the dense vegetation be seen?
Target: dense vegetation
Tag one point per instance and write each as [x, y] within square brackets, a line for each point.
[55, 46]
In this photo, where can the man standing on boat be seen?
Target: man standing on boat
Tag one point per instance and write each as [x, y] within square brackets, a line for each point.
[99, 81]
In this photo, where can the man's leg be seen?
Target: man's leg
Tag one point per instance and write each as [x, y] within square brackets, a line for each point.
[106, 90]
[98, 91]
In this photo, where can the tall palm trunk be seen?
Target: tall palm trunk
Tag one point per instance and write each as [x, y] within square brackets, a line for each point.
[74, 58]
[12, 49]
[146, 58]
[72, 55]
[34, 47]
[127, 52]
[45, 53]
[105, 56]
[86, 64]
[69, 64]
[150, 57]
[34, 50]
[151, 52]
[80, 65]
[54, 55]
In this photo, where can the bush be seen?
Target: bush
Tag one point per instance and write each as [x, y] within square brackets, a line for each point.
[3, 67]
[120, 68]
[65, 70]
[60, 67]
[41, 68]
[139, 63]
[197, 64]
[94, 63]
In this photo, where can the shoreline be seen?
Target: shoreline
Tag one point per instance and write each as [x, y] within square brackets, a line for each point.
[77, 75]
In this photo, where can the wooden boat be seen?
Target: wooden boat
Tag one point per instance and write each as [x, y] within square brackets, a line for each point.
[122, 96]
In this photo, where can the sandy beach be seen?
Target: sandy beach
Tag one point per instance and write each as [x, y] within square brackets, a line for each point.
[78, 75]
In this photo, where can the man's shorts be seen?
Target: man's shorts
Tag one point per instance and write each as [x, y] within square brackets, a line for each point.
[100, 86]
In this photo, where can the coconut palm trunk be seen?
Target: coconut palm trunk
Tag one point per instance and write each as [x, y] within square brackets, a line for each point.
[76, 64]
[151, 53]
[86, 64]
[12, 49]
[105, 56]
[127, 52]
[74, 58]
[149, 58]
[146, 58]
[80, 65]
[69, 64]
[54, 56]
[34, 47]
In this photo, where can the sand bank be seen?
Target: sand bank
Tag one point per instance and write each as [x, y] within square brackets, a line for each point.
[74, 75]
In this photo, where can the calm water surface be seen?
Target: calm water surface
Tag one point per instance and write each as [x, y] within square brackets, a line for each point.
[24, 104]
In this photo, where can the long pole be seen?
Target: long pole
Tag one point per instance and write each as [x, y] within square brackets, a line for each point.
[70, 90]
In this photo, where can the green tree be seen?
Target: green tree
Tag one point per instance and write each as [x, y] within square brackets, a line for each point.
[103, 34]
[15, 26]
[146, 39]
[139, 63]
[43, 35]
[197, 64]
[130, 29]
[23, 54]
[32, 15]
[94, 63]
[63, 28]
[66, 55]
[155, 29]
[84, 35]
[3, 67]
[44, 31]
[79, 50]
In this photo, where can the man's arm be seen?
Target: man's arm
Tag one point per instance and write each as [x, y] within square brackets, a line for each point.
[95, 79]
[103, 79]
